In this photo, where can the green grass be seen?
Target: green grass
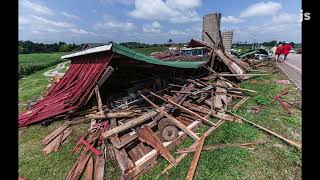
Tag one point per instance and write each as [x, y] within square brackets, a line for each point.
[149, 50]
[33, 86]
[30, 63]
[274, 160]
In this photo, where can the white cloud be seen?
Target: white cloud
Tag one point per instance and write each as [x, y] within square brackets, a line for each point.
[123, 2]
[110, 24]
[175, 32]
[36, 8]
[80, 31]
[285, 18]
[231, 20]
[184, 4]
[45, 21]
[70, 15]
[175, 11]
[154, 27]
[261, 9]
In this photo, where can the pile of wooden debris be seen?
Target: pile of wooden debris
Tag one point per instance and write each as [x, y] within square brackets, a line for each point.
[136, 134]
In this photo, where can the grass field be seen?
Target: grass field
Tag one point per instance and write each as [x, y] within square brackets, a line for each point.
[149, 50]
[31, 63]
[274, 160]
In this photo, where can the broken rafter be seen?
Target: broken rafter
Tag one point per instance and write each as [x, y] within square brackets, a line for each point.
[204, 120]
[173, 120]
[146, 135]
[295, 144]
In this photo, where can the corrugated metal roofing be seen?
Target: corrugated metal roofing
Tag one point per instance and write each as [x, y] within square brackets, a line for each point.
[119, 49]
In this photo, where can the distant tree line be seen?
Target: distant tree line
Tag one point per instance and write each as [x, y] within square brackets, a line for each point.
[27, 47]
[269, 43]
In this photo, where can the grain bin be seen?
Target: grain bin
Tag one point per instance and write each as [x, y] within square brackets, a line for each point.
[227, 39]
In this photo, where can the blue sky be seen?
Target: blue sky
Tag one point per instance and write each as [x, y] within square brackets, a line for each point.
[155, 21]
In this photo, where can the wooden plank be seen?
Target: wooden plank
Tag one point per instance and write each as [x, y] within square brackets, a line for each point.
[149, 158]
[77, 171]
[178, 160]
[126, 139]
[173, 120]
[99, 168]
[51, 146]
[89, 169]
[96, 89]
[235, 75]
[217, 146]
[58, 142]
[194, 163]
[240, 103]
[105, 75]
[55, 133]
[185, 110]
[131, 123]
[295, 144]
[145, 134]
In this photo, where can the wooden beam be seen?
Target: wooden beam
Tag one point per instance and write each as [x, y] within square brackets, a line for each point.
[234, 75]
[99, 168]
[173, 120]
[240, 103]
[295, 144]
[99, 101]
[146, 135]
[185, 109]
[194, 145]
[194, 163]
[105, 75]
[89, 169]
[149, 158]
[131, 123]
[217, 146]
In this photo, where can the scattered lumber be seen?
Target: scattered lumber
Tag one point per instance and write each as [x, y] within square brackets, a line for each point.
[99, 168]
[295, 144]
[193, 166]
[174, 120]
[130, 124]
[185, 110]
[240, 103]
[146, 135]
[217, 146]
[89, 169]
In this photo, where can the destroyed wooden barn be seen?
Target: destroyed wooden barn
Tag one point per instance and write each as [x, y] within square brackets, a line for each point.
[141, 107]
[111, 86]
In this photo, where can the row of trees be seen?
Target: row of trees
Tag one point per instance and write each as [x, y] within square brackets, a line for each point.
[26, 47]
[269, 43]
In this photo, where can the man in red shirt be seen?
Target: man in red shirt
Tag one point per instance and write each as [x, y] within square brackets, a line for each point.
[286, 50]
[278, 51]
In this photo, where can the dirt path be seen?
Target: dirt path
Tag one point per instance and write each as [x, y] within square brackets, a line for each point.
[56, 70]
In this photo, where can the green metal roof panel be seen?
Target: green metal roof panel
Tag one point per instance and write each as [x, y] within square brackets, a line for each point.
[117, 48]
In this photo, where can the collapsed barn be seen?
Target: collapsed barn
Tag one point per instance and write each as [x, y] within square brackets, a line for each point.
[141, 106]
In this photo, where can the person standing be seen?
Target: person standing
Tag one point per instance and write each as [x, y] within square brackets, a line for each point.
[278, 51]
[286, 50]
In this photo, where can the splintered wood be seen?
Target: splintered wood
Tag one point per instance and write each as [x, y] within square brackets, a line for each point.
[134, 134]
[145, 134]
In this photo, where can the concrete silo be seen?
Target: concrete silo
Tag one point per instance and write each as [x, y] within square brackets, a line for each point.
[227, 37]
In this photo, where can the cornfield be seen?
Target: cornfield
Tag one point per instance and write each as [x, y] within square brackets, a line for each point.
[30, 63]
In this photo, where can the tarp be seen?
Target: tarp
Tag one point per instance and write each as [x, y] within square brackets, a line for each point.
[71, 91]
